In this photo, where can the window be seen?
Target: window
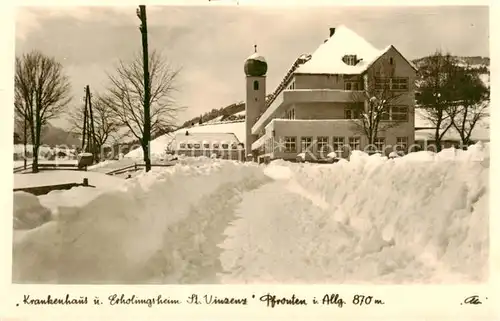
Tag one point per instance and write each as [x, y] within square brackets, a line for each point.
[391, 61]
[382, 83]
[352, 113]
[350, 60]
[305, 143]
[290, 114]
[225, 146]
[402, 143]
[354, 143]
[206, 146]
[386, 114]
[399, 113]
[338, 143]
[395, 83]
[255, 85]
[234, 146]
[379, 143]
[190, 146]
[290, 144]
[182, 145]
[399, 83]
[395, 113]
[216, 146]
[351, 85]
[197, 146]
[322, 144]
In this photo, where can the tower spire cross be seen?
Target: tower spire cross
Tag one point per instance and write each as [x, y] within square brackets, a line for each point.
[255, 48]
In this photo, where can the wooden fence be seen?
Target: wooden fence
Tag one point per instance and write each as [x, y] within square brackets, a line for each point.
[135, 168]
[42, 190]
[48, 167]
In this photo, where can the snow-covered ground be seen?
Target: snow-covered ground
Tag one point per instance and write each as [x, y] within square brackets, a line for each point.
[419, 218]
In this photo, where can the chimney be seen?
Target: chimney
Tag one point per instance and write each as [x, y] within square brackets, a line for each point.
[332, 31]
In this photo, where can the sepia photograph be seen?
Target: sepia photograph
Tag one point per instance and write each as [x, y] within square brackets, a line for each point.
[237, 144]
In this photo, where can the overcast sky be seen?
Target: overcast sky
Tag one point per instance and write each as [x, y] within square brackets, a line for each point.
[212, 43]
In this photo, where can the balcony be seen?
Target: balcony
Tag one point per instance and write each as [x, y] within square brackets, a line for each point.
[297, 96]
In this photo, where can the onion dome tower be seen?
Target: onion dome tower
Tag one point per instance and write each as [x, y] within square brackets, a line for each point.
[255, 71]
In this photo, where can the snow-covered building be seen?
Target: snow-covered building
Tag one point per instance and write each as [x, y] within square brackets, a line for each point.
[220, 145]
[314, 106]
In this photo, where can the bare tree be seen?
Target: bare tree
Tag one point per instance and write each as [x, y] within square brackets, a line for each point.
[125, 96]
[472, 104]
[372, 101]
[105, 125]
[41, 94]
[437, 92]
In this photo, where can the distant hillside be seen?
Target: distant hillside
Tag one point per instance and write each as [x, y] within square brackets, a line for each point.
[52, 135]
[481, 64]
[221, 113]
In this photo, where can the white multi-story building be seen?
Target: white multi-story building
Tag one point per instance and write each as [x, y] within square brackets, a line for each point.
[318, 104]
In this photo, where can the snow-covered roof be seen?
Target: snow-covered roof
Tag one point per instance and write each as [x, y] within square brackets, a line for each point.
[205, 137]
[327, 59]
[236, 128]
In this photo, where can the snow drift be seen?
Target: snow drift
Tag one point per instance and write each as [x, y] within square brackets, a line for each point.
[150, 231]
[419, 218]
[28, 212]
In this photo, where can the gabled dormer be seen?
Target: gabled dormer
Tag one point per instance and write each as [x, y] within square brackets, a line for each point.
[350, 60]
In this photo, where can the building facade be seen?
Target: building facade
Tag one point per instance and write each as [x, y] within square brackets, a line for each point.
[346, 96]
[214, 145]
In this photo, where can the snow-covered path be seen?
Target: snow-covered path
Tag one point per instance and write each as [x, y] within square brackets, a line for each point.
[191, 254]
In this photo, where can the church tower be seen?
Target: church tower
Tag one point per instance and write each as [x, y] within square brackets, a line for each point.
[255, 104]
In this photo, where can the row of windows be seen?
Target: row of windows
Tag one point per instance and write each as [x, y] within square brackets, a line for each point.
[338, 143]
[207, 146]
[395, 113]
[353, 85]
[393, 83]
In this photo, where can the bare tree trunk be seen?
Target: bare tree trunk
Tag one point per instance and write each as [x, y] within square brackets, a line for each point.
[25, 143]
[34, 166]
[437, 140]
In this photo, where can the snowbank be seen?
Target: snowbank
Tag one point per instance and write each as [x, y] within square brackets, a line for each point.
[159, 228]
[28, 212]
[418, 218]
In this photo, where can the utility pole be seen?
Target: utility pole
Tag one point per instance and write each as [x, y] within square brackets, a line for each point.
[84, 133]
[146, 137]
[91, 125]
